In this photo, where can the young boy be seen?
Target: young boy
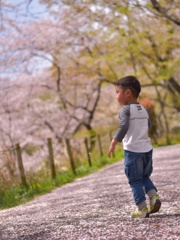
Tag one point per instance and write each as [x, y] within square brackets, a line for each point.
[133, 132]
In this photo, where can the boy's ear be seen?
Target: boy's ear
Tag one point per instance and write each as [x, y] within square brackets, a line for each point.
[128, 92]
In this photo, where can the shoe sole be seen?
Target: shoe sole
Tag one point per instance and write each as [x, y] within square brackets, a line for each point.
[156, 207]
[147, 216]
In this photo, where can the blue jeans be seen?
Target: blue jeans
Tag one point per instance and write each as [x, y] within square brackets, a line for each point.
[138, 168]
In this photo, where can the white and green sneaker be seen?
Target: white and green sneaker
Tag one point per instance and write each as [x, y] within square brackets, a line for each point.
[142, 213]
[155, 204]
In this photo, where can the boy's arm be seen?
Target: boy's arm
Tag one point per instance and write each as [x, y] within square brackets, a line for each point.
[112, 147]
[122, 130]
[149, 121]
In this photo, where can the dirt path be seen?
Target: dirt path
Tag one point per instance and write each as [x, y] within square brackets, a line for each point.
[98, 207]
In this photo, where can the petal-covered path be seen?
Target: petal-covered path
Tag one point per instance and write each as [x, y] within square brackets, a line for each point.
[98, 207]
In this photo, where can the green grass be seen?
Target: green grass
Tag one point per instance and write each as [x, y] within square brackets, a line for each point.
[41, 183]
[174, 138]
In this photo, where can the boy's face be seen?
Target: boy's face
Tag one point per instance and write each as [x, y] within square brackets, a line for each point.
[122, 95]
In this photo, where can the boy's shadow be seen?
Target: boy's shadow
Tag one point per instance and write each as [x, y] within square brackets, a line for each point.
[163, 215]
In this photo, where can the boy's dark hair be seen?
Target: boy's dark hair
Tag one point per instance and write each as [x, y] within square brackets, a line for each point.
[130, 82]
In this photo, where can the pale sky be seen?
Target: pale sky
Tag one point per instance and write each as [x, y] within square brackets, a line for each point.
[20, 12]
[27, 10]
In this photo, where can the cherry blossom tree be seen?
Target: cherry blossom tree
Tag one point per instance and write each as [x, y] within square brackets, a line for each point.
[58, 68]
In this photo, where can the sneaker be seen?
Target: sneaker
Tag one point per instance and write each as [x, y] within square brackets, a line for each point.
[155, 204]
[143, 213]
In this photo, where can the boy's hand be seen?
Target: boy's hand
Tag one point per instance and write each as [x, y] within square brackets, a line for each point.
[112, 147]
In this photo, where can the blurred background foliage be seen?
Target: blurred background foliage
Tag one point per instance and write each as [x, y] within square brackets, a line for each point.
[58, 60]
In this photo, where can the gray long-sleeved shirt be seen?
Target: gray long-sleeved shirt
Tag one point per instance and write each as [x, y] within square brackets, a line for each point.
[133, 128]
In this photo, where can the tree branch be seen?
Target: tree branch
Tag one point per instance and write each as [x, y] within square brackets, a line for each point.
[164, 12]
